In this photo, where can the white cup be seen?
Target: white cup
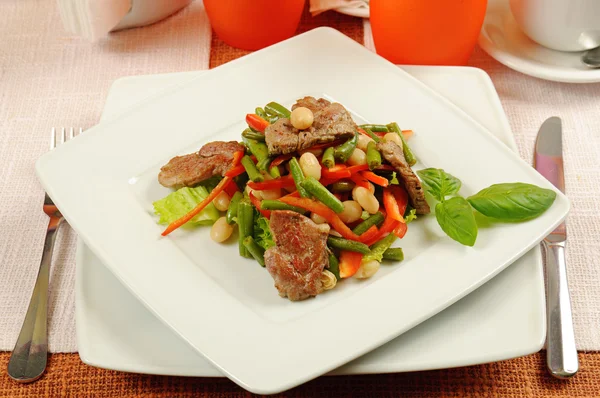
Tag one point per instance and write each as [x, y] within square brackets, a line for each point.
[563, 25]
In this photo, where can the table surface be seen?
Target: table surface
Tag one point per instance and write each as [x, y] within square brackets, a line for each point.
[68, 376]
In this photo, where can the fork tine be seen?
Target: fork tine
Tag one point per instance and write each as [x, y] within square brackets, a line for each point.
[80, 130]
[71, 133]
[63, 135]
[53, 138]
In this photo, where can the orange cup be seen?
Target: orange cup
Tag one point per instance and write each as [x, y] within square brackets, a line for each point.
[254, 24]
[426, 32]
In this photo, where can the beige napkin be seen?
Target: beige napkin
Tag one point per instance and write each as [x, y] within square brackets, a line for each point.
[319, 6]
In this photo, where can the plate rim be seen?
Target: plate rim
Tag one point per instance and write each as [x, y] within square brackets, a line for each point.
[367, 346]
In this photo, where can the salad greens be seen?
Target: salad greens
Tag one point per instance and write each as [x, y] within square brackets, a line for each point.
[180, 202]
[262, 232]
[516, 202]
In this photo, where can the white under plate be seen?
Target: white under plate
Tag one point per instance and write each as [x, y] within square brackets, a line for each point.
[502, 319]
[502, 38]
[225, 306]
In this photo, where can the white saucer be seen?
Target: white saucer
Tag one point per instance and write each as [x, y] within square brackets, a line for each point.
[504, 318]
[502, 39]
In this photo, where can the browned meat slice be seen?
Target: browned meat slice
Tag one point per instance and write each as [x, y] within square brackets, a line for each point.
[394, 155]
[213, 159]
[331, 122]
[299, 256]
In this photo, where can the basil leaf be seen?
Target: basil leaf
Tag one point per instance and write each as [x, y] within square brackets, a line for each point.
[456, 218]
[439, 183]
[515, 201]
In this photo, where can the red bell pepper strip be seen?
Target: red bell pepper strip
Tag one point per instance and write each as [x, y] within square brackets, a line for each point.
[281, 182]
[400, 230]
[401, 198]
[256, 203]
[336, 172]
[391, 206]
[360, 181]
[319, 208]
[256, 122]
[357, 168]
[235, 171]
[280, 159]
[375, 179]
[237, 156]
[349, 263]
[369, 234]
[231, 188]
[388, 226]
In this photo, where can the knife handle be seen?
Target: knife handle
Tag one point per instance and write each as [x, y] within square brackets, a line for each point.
[561, 351]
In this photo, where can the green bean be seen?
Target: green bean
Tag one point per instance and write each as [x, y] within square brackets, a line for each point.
[298, 177]
[394, 253]
[251, 169]
[375, 219]
[377, 249]
[342, 186]
[372, 135]
[248, 133]
[380, 128]
[255, 250]
[279, 205]
[258, 149]
[274, 171]
[278, 110]
[261, 112]
[350, 245]
[317, 189]
[328, 160]
[408, 154]
[263, 164]
[344, 151]
[233, 207]
[245, 220]
[373, 156]
[334, 266]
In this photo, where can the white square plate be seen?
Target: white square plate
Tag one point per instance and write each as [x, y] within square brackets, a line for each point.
[502, 319]
[225, 306]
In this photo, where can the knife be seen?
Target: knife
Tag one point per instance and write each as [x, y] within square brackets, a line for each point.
[561, 354]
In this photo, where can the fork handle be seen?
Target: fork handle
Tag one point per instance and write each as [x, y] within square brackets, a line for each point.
[28, 359]
[561, 355]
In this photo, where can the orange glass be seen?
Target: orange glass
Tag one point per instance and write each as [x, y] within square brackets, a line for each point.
[254, 24]
[426, 32]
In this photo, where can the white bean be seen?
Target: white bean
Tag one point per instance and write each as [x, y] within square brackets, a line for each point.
[365, 199]
[270, 194]
[363, 141]
[393, 137]
[352, 211]
[328, 280]
[310, 166]
[221, 231]
[358, 157]
[325, 228]
[301, 118]
[222, 200]
[317, 219]
[257, 194]
[317, 152]
[367, 269]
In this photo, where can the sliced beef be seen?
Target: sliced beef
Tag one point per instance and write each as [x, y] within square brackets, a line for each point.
[394, 155]
[299, 256]
[331, 122]
[213, 159]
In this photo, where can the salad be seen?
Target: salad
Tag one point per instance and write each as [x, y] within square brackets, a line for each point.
[317, 199]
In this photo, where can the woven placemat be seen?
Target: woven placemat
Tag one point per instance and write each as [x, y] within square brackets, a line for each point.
[67, 376]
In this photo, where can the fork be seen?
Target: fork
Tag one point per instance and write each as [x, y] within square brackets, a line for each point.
[29, 357]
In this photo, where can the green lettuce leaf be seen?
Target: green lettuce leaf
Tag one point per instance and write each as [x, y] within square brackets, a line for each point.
[262, 232]
[411, 215]
[180, 202]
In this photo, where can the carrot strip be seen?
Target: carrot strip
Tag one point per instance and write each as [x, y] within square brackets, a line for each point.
[256, 202]
[336, 172]
[360, 181]
[357, 168]
[281, 182]
[375, 179]
[407, 134]
[211, 196]
[349, 263]
[256, 122]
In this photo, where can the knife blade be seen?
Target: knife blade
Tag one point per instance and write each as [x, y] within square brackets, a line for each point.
[561, 354]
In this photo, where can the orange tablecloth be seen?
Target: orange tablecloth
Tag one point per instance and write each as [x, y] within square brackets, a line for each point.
[68, 376]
